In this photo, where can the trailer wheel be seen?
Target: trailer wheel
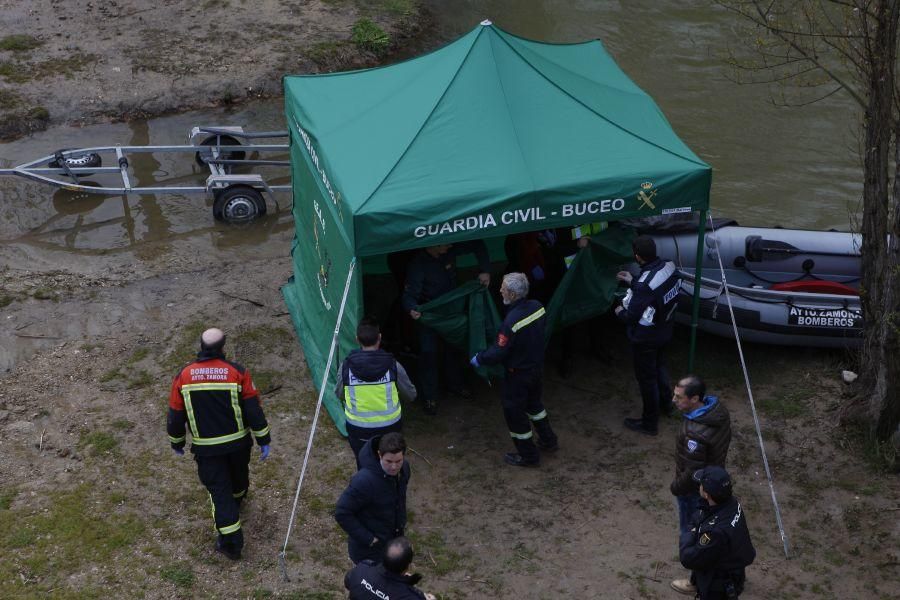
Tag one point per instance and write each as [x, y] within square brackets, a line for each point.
[238, 204]
[74, 161]
[204, 156]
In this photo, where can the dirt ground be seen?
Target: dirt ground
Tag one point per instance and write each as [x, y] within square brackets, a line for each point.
[93, 504]
[63, 61]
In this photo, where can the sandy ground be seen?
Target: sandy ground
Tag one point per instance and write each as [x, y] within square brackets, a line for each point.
[133, 58]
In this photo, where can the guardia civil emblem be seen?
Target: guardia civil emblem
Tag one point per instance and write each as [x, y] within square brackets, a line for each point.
[646, 195]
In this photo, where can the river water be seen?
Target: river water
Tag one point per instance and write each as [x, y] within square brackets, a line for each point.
[794, 167]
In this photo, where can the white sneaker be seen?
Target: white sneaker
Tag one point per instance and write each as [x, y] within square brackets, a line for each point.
[684, 586]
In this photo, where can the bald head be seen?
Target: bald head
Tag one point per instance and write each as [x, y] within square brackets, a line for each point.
[212, 340]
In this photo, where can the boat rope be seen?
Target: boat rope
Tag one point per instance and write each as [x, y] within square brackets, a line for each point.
[762, 447]
[312, 430]
[716, 295]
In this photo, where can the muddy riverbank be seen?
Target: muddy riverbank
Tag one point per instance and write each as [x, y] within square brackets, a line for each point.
[68, 62]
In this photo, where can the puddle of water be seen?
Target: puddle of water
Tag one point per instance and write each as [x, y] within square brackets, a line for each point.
[39, 219]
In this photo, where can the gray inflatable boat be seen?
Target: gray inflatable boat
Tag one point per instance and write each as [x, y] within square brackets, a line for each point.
[787, 286]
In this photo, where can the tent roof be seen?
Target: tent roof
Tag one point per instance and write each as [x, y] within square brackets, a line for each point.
[490, 120]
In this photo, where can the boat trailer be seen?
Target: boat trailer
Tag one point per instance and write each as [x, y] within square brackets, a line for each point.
[238, 197]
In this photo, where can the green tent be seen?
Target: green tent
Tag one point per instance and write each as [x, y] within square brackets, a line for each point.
[490, 135]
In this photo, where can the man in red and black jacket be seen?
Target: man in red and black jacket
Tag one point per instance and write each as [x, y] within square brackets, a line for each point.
[216, 399]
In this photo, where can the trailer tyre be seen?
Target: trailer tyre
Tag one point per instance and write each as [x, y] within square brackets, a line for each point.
[74, 161]
[204, 156]
[239, 204]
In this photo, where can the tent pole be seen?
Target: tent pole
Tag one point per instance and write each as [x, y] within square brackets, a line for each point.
[312, 428]
[695, 303]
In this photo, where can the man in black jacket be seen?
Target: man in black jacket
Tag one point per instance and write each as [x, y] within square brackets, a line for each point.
[702, 441]
[432, 273]
[372, 510]
[717, 549]
[390, 579]
[372, 386]
[520, 349]
[215, 399]
[648, 310]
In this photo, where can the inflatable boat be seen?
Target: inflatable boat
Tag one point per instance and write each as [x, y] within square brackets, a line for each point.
[787, 286]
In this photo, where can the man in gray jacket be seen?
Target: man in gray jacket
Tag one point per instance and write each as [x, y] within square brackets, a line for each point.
[702, 441]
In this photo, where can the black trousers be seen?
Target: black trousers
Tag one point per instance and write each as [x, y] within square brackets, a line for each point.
[358, 436]
[522, 407]
[653, 380]
[226, 477]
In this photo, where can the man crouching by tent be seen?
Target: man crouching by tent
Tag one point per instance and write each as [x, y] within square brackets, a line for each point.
[520, 348]
[371, 387]
[432, 273]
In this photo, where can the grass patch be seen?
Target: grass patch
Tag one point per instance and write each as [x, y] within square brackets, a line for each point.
[434, 545]
[15, 71]
[122, 425]
[789, 404]
[325, 52]
[9, 99]
[184, 348]
[139, 355]
[53, 544]
[141, 379]
[6, 498]
[98, 442]
[19, 42]
[6, 300]
[370, 37]
[109, 376]
[181, 576]
[43, 293]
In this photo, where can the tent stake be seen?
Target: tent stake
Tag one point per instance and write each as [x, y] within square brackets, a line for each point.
[312, 430]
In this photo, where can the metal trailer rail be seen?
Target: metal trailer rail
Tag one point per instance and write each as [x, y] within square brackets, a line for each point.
[238, 198]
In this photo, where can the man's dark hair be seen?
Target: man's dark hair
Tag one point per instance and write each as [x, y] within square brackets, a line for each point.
[391, 443]
[645, 247]
[693, 386]
[720, 497]
[367, 331]
[398, 555]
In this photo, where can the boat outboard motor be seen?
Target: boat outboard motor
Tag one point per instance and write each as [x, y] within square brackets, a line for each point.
[758, 249]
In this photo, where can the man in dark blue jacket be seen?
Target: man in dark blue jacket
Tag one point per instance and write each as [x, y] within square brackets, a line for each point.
[717, 549]
[648, 310]
[390, 579]
[432, 273]
[372, 510]
[520, 348]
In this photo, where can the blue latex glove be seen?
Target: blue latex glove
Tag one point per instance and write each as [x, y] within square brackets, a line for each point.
[537, 273]
[178, 451]
[474, 361]
[264, 452]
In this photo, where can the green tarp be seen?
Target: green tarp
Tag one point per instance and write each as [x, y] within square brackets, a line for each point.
[466, 318]
[490, 135]
[589, 286]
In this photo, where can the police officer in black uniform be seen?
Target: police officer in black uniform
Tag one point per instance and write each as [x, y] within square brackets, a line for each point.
[520, 348]
[432, 273]
[390, 579]
[717, 549]
[648, 310]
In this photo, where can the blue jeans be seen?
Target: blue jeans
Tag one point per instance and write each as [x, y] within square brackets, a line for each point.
[687, 506]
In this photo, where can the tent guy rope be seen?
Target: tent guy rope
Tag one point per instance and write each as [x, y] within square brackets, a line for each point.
[737, 339]
[312, 430]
